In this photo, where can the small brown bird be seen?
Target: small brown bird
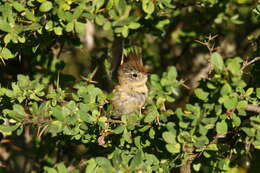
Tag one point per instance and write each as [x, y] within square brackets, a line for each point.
[131, 91]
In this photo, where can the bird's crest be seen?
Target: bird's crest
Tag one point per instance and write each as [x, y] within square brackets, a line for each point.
[134, 60]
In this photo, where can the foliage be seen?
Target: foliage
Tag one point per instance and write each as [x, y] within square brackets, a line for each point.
[214, 129]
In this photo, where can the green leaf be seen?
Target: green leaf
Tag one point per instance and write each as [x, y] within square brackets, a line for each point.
[107, 26]
[80, 27]
[171, 73]
[19, 131]
[236, 121]
[224, 164]
[109, 4]
[137, 160]
[144, 128]
[148, 6]
[256, 144]
[222, 127]
[35, 48]
[8, 128]
[212, 147]
[169, 137]
[173, 148]
[29, 15]
[18, 7]
[85, 115]
[134, 25]
[69, 27]
[46, 6]
[120, 6]
[230, 102]
[207, 154]
[258, 93]
[21, 39]
[61, 168]
[201, 94]
[8, 38]
[5, 26]
[50, 170]
[19, 109]
[116, 160]
[242, 104]
[57, 113]
[233, 65]
[226, 89]
[49, 25]
[162, 23]
[58, 30]
[6, 53]
[98, 4]
[137, 142]
[104, 162]
[249, 131]
[249, 91]
[127, 136]
[152, 114]
[100, 20]
[203, 130]
[55, 127]
[91, 166]
[201, 141]
[78, 11]
[119, 129]
[196, 167]
[210, 85]
[125, 31]
[151, 133]
[217, 62]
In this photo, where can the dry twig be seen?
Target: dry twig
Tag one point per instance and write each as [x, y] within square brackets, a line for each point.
[246, 63]
[252, 108]
[114, 121]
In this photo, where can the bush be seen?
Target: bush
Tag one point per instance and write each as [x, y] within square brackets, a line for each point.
[202, 113]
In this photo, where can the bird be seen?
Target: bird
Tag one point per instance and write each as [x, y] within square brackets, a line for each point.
[131, 92]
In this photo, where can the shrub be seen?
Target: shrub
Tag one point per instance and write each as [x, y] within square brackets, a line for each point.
[205, 119]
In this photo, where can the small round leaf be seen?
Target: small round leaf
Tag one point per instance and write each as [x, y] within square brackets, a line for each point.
[46, 6]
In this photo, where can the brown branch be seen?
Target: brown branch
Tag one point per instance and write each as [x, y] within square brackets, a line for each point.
[90, 78]
[2, 59]
[117, 53]
[186, 168]
[25, 21]
[60, 50]
[246, 64]
[114, 121]
[253, 108]
[28, 120]
[210, 46]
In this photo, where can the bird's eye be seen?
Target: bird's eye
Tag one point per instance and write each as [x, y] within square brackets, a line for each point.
[134, 75]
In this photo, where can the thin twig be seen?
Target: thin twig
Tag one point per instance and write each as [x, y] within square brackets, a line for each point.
[2, 60]
[25, 21]
[212, 37]
[210, 47]
[60, 51]
[249, 63]
[42, 131]
[94, 72]
[90, 78]
[114, 121]
[185, 86]
[252, 108]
